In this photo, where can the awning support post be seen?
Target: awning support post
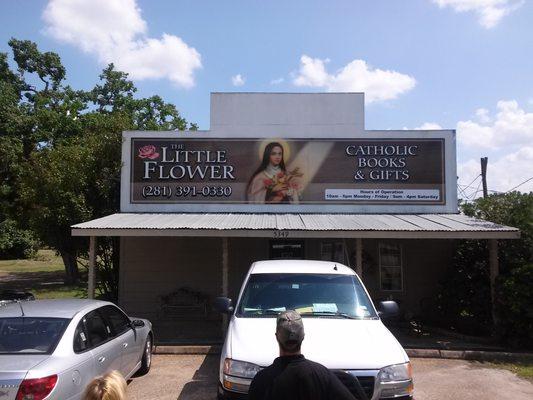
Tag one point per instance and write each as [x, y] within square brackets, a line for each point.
[92, 267]
[359, 257]
[225, 279]
[494, 268]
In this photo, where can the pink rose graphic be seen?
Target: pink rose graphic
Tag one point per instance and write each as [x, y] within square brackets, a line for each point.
[148, 151]
[294, 185]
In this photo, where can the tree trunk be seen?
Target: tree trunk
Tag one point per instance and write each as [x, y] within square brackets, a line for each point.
[72, 275]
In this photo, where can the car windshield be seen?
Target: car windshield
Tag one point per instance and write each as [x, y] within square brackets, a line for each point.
[312, 295]
[23, 335]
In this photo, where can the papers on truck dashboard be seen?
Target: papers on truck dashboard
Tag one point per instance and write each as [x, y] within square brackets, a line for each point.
[325, 307]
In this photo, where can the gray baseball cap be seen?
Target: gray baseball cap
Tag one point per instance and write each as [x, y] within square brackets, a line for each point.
[289, 329]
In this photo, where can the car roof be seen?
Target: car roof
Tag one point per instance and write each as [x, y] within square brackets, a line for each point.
[60, 308]
[300, 267]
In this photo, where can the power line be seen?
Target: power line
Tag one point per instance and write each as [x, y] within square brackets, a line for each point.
[476, 192]
[517, 186]
[466, 187]
[461, 190]
[475, 179]
[472, 195]
[495, 191]
[469, 186]
[472, 187]
[464, 192]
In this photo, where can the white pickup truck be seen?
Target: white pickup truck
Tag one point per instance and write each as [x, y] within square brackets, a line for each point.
[343, 329]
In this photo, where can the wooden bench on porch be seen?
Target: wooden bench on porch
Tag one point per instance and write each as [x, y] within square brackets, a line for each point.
[184, 303]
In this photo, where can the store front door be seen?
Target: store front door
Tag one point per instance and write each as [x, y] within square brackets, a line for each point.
[287, 249]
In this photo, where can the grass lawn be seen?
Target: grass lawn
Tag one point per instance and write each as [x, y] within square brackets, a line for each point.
[522, 369]
[43, 276]
[44, 261]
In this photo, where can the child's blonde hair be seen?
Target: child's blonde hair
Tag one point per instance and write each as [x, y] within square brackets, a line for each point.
[111, 386]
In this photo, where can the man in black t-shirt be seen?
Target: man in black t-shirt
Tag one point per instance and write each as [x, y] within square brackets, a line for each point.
[292, 376]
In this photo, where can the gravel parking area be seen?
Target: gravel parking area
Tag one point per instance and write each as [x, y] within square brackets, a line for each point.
[194, 377]
[182, 377]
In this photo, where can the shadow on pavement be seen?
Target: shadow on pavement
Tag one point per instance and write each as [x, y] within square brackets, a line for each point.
[204, 381]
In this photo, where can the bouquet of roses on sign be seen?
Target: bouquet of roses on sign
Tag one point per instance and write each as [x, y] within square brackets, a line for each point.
[284, 183]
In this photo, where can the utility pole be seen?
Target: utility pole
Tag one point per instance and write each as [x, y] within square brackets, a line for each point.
[493, 248]
[484, 161]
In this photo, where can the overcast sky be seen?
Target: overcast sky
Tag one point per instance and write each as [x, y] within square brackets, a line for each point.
[455, 64]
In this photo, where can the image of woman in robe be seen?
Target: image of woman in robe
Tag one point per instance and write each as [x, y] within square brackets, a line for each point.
[270, 183]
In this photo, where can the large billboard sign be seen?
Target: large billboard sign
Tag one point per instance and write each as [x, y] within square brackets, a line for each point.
[275, 174]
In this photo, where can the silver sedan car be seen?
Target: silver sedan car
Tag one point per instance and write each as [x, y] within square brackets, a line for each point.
[51, 349]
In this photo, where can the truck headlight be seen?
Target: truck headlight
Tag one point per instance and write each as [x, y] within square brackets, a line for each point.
[238, 375]
[242, 369]
[397, 372]
[396, 380]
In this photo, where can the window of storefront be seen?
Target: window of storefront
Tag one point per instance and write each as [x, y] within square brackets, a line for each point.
[332, 251]
[390, 267]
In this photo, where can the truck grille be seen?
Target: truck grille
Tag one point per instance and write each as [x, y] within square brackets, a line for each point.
[367, 382]
[356, 383]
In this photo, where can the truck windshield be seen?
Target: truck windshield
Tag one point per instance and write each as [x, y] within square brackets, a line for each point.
[29, 335]
[312, 295]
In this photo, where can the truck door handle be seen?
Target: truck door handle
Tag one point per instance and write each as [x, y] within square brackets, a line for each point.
[101, 359]
[124, 345]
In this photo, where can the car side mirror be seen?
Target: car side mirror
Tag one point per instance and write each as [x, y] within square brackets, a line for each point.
[388, 309]
[137, 323]
[223, 305]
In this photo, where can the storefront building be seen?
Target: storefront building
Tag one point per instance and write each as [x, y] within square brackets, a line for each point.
[282, 175]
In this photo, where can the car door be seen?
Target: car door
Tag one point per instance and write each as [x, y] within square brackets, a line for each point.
[83, 369]
[129, 339]
[105, 349]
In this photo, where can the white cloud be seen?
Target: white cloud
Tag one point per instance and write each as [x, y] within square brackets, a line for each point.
[277, 81]
[356, 76]
[511, 125]
[483, 115]
[428, 126]
[115, 31]
[238, 80]
[489, 12]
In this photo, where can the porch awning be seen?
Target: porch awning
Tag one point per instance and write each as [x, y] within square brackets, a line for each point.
[400, 226]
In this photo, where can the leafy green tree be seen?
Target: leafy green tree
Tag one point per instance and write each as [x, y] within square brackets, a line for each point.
[16, 242]
[64, 147]
[115, 94]
[37, 112]
[515, 298]
[118, 111]
[465, 297]
[54, 190]
[512, 209]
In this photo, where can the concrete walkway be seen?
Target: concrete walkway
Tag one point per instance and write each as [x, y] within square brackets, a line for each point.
[194, 377]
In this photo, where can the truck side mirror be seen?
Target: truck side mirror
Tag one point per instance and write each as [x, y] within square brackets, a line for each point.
[388, 309]
[223, 305]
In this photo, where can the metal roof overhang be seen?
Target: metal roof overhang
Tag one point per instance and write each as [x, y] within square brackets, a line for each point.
[400, 226]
